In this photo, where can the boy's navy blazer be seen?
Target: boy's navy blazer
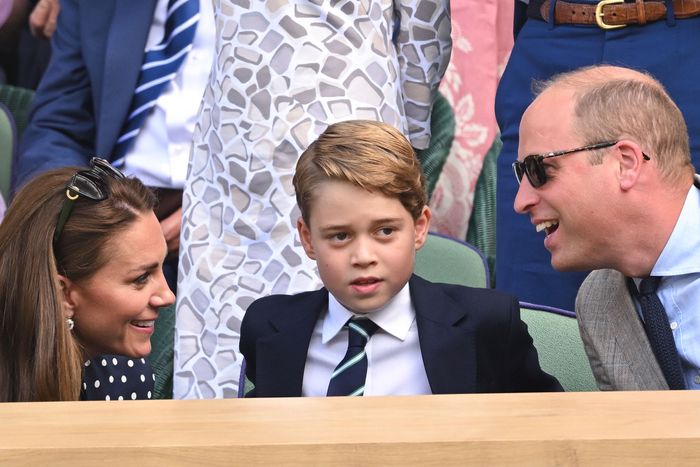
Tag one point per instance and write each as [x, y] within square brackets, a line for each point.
[472, 341]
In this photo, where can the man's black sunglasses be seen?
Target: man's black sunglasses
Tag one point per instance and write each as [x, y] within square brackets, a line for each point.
[91, 184]
[532, 166]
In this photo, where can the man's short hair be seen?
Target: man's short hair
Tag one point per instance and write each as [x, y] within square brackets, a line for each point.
[614, 103]
[371, 155]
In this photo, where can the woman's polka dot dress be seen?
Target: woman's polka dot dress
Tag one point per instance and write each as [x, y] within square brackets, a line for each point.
[114, 377]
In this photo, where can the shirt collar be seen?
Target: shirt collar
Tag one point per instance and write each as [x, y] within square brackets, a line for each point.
[685, 238]
[394, 318]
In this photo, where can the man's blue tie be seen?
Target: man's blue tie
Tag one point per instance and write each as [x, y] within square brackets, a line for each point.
[160, 65]
[348, 378]
[659, 333]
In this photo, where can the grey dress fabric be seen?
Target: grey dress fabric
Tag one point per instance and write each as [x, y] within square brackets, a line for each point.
[284, 71]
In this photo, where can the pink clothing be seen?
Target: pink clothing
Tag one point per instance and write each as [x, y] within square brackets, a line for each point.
[482, 37]
[5, 9]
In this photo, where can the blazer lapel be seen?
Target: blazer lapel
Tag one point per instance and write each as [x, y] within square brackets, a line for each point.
[630, 361]
[633, 340]
[285, 352]
[447, 341]
[125, 49]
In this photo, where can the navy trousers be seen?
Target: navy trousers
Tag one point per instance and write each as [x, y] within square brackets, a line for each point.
[666, 49]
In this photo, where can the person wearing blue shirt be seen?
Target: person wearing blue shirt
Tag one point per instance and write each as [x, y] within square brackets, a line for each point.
[556, 36]
[605, 173]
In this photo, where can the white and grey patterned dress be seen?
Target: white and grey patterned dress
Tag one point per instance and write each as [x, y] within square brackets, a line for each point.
[284, 70]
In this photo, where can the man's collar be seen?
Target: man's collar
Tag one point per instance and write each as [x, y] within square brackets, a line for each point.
[676, 258]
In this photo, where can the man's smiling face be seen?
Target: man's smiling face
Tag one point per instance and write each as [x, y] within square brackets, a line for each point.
[571, 206]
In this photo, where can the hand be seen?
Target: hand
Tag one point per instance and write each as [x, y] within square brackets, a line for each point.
[171, 230]
[42, 20]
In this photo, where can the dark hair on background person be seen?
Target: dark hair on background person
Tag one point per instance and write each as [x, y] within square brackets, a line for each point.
[41, 359]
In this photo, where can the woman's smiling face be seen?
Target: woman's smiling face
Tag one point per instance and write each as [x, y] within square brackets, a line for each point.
[115, 309]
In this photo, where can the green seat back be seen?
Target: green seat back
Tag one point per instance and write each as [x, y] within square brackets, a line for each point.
[7, 150]
[442, 132]
[444, 259]
[19, 101]
[559, 346]
[482, 224]
[161, 357]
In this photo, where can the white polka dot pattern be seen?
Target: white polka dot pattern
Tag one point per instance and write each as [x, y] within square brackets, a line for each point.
[129, 379]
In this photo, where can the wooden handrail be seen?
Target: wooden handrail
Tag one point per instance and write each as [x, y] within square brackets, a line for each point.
[633, 428]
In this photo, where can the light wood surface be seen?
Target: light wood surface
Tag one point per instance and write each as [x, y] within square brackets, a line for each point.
[631, 428]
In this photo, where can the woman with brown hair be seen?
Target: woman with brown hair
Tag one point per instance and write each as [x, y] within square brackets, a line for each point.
[80, 276]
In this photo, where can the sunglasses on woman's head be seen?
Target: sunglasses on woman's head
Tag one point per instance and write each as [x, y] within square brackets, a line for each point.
[533, 165]
[91, 184]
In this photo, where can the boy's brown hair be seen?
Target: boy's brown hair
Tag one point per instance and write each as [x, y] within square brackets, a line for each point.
[372, 155]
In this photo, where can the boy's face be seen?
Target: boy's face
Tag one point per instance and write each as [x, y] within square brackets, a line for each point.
[364, 243]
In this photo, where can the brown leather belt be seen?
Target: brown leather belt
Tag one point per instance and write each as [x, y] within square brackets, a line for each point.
[612, 14]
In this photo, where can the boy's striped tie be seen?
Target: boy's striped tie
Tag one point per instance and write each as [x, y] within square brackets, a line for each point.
[348, 378]
[160, 65]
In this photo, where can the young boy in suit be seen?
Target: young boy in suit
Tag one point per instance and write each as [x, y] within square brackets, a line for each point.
[376, 328]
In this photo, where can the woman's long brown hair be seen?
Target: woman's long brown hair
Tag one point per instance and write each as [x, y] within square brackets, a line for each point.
[40, 358]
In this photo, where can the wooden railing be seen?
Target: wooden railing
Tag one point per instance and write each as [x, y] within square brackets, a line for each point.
[631, 428]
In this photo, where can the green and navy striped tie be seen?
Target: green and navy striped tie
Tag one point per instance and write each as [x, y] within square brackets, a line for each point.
[348, 378]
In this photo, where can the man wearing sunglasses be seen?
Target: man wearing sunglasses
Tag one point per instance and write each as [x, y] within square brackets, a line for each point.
[605, 174]
[555, 36]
